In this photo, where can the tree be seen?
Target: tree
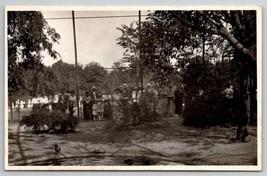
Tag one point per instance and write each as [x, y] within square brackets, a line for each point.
[93, 74]
[40, 82]
[236, 27]
[119, 75]
[184, 35]
[28, 35]
[66, 76]
[139, 50]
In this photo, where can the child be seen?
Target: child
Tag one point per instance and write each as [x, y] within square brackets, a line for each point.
[75, 112]
[94, 111]
[100, 109]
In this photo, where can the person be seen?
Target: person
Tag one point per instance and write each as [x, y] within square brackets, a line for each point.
[72, 102]
[178, 102]
[136, 95]
[117, 97]
[152, 94]
[87, 108]
[107, 109]
[55, 103]
[229, 95]
[93, 94]
[35, 104]
[61, 105]
[229, 92]
[100, 108]
[94, 111]
[44, 102]
[125, 91]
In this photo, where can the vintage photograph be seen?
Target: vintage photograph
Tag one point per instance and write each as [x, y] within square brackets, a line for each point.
[133, 88]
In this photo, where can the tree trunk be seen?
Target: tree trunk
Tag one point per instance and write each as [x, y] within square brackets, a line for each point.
[11, 109]
[244, 110]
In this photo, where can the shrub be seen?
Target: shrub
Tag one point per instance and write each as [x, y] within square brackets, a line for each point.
[209, 111]
[136, 113]
[49, 121]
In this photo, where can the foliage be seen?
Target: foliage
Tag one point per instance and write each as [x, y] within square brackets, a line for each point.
[142, 112]
[148, 103]
[135, 42]
[93, 74]
[119, 75]
[65, 76]
[211, 107]
[28, 35]
[50, 121]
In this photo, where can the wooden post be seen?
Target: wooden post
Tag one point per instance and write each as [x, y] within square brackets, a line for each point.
[77, 75]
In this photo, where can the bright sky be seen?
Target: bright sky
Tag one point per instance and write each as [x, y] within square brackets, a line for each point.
[96, 38]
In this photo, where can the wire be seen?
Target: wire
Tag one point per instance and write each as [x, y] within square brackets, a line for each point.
[94, 17]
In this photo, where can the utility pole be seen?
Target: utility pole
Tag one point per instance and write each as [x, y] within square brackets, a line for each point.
[140, 54]
[77, 76]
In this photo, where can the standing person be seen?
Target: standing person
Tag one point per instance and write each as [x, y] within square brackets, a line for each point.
[72, 102]
[55, 103]
[94, 111]
[116, 98]
[229, 95]
[87, 109]
[35, 104]
[152, 94]
[61, 103]
[100, 108]
[136, 95]
[107, 108]
[125, 91]
[178, 102]
[93, 95]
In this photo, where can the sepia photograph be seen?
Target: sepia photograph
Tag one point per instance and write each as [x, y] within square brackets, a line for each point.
[133, 88]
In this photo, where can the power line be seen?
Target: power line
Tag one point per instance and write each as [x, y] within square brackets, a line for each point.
[94, 17]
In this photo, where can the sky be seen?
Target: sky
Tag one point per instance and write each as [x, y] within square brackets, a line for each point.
[96, 38]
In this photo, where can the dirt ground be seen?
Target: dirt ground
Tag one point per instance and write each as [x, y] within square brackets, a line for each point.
[167, 140]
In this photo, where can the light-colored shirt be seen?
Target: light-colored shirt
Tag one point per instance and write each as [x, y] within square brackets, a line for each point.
[229, 93]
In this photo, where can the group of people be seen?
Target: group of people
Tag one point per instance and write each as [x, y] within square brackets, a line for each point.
[97, 107]
[93, 105]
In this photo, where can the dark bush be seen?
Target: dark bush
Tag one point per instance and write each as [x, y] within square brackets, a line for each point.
[49, 121]
[208, 111]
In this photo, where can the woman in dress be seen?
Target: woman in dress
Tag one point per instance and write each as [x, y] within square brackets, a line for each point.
[87, 111]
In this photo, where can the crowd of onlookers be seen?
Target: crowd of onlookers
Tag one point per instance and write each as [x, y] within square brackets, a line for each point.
[96, 106]
[92, 105]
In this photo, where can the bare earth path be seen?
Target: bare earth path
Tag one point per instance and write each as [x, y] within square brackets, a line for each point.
[169, 140]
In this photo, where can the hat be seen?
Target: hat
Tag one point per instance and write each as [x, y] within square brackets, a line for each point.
[93, 87]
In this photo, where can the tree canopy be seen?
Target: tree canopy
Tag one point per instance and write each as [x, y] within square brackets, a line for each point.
[28, 35]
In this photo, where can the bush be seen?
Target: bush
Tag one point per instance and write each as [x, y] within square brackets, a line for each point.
[136, 113]
[49, 121]
[209, 111]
